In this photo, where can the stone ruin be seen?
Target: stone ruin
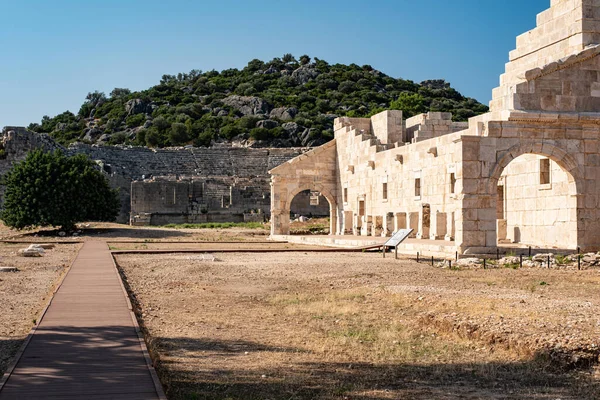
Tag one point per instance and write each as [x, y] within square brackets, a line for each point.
[174, 185]
[527, 172]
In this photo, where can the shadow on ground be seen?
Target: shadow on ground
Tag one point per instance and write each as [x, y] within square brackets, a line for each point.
[80, 362]
[331, 380]
[121, 233]
[8, 348]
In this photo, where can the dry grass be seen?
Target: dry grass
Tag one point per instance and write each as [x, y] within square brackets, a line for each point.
[332, 326]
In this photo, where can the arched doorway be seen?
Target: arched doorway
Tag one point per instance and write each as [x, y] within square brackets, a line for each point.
[536, 198]
[315, 201]
[309, 213]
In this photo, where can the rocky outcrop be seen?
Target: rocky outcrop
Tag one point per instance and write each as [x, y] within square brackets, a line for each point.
[284, 113]
[305, 74]
[138, 106]
[267, 124]
[248, 105]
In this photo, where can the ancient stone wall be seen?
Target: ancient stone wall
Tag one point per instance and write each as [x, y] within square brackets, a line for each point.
[239, 173]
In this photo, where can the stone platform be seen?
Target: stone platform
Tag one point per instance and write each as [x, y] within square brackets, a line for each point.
[437, 248]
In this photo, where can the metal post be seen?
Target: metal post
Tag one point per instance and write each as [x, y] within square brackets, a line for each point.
[521, 261]
[417, 256]
[497, 253]
[457, 256]
[383, 251]
[396, 252]
[548, 262]
[432, 261]
[579, 262]
[529, 251]
[449, 264]
[484, 263]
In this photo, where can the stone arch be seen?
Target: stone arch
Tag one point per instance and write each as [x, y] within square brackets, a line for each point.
[564, 160]
[556, 154]
[317, 188]
[325, 192]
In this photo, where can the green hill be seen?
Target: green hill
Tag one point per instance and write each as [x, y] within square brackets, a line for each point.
[283, 102]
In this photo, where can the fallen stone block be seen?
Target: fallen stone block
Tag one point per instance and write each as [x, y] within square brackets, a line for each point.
[8, 269]
[468, 262]
[30, 253]
[37, 248]
[510, 260]
[543, 258]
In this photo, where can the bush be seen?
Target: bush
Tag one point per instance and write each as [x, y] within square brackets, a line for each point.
[136, 120]
[260, 134]
[50, 189]
[230, 131]
[178, 134]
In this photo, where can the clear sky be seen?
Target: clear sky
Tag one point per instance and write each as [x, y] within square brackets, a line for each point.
[54, 52]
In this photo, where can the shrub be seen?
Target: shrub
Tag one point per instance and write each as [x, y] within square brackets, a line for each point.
[50, 189]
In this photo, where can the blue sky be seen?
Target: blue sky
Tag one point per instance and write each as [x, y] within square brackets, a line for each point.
[54, 52]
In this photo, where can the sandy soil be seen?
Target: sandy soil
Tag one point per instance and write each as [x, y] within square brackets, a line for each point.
[24, 294]
[356, 326]
[205, 246]
[124, 233]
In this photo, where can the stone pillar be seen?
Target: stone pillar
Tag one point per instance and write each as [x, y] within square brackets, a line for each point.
[357, 225]
[424, 223]
[377, 226]
[348, 223]
[388, 225]
[367, 223]
[280, 213]
[476, 230]
[438, 226]
[412, 222]
[502, 230]
[334, 228]
[280, 223]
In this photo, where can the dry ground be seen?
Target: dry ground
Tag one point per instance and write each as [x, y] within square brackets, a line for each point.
[356, 326]
[24, 294]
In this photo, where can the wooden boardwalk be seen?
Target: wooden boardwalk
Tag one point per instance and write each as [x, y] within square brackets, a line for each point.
[86, 345]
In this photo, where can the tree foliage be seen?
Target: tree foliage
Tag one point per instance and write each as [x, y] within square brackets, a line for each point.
[317, 90]
[51, 189]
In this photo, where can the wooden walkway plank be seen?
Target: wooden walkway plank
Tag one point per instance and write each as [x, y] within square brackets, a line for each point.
[87, 343]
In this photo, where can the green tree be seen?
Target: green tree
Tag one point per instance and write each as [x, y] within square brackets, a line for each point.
[288, 58]
[153, 138]
[92, 100]
[51, 189]
[411, 104]
[304, 59]
[178, 134]
[119, 92]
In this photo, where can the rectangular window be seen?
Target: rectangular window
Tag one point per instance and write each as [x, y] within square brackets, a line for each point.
[345, 195]
[385, 191]
[418, 187]
[452, 183]
[545, 171]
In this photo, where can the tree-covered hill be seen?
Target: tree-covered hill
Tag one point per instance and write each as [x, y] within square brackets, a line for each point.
[283, 102]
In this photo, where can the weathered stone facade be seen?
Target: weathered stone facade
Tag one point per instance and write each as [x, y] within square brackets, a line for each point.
[235, 180]
[525, 172]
